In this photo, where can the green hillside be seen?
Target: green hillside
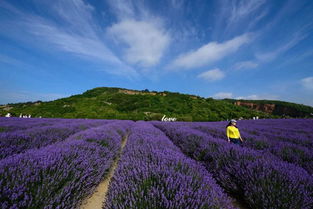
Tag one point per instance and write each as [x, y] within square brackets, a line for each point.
[117, 103]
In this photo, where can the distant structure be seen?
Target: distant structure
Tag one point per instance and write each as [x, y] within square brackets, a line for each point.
[25, 116]
[8, 115]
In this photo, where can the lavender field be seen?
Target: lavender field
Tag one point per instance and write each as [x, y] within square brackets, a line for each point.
[58, 163]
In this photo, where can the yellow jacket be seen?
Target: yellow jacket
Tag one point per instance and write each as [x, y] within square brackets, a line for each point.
[232, 132]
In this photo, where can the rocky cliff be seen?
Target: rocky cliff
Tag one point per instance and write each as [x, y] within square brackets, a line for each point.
[279, 108]
[268, 108]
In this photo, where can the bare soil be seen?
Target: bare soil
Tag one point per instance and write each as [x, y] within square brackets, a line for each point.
[97, 199]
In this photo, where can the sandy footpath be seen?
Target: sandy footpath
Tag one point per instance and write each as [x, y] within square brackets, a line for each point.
[97, 199]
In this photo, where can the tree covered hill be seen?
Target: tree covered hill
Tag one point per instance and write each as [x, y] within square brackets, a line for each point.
[118, 103]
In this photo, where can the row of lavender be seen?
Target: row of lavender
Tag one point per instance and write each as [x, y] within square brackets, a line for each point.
[262, 180]
[37, 133]
[61, 174]
[14, 124]
[290, 140]
[154, 173]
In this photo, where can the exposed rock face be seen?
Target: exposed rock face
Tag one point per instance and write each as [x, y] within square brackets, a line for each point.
[272, 109]
[268, 108]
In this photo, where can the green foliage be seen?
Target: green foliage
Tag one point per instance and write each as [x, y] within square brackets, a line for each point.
[112, 103]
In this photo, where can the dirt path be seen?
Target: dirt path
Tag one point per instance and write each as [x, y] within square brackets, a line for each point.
[97, 199]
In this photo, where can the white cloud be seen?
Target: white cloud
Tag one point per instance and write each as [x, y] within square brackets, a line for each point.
[253, 97]
[307, 83]
[212, 75]
[222, 95]
[146, 41]
[258, 97]
[209, 53]
[245, 65]
[74, 32]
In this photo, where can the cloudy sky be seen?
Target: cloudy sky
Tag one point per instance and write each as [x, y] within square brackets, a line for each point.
[250, 49]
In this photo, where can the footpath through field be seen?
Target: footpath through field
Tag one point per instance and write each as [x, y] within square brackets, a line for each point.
[97, 199]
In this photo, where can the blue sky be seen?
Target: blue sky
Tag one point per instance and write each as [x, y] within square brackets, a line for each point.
[250, 49]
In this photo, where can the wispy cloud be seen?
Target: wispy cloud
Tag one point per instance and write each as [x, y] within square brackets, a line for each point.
[10, 60]
[123, 9]
[78, 16]
[177, 4]
[209, 53]
[223, 95]
[254, 21]
[212, 75]
[282, 14]
[80, 45]
[146, 41]
[245, 65]
[307, 83]
[297, 58]
[243, 8]
[235, 16]
[78, 34]
[271, 55]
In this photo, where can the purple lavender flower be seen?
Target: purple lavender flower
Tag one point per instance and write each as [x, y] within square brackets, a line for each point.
[153, 173]
[60, 175]
[264, 181]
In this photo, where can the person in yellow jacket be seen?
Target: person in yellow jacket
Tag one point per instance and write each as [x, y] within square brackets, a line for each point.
[232, 132]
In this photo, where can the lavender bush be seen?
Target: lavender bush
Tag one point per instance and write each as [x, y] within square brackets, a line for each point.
[241, 170]
[22, 140]
[13, 124]
[153, 173]
[61, 174]
[284, 149]
[56, 163]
